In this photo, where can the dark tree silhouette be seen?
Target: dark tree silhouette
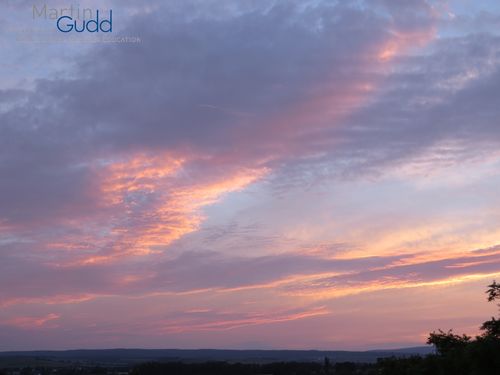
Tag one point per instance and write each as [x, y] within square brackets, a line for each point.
[446, 342]
[456, 354]
[327, 365]
[493, 291]
[491, 328]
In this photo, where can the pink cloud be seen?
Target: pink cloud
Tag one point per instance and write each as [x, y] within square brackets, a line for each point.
[30, 322]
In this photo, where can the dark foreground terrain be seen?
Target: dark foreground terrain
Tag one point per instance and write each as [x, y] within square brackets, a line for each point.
[457, 355]
[127, 357]
[197, 362]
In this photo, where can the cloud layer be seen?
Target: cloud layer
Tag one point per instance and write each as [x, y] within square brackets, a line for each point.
[248, 164]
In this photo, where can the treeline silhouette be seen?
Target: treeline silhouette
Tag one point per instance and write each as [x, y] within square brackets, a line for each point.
[455, 355]
[70, 370]
[279, 368]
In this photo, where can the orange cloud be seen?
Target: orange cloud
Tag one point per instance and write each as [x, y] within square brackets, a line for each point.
[148, 204]
[27, 322]
[189, 325]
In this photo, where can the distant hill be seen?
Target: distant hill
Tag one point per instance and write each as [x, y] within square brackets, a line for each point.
[119, 357]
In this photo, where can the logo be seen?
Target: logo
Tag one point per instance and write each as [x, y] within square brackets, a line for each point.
[67, 24]
[74, 19]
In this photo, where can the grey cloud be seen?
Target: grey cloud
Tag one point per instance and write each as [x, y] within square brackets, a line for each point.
[179, 90]
[428, 102]
[197, 270]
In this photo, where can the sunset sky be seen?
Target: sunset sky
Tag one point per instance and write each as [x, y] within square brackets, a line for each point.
[249, 174]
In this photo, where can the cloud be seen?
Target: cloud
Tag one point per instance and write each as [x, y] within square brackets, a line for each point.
[209, 272]
[146, 98]
[438, 106]
[119, 159]
[28, 322]
[227, 321]
[110, 161]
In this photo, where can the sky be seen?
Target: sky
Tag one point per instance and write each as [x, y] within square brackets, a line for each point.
[251, 174]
